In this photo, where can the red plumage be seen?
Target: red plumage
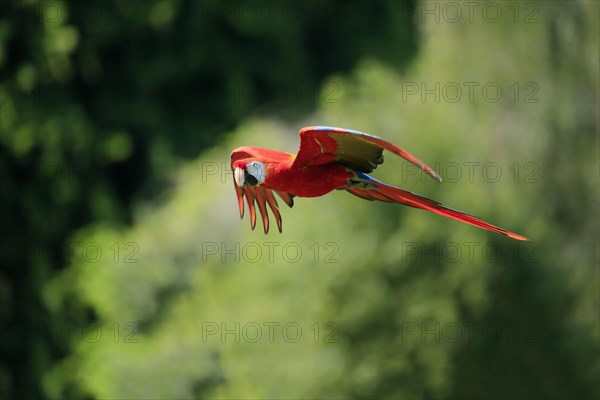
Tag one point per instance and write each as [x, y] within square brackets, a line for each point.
[328, 159]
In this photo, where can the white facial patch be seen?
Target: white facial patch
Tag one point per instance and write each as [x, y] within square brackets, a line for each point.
[238, 174]
[257, 170]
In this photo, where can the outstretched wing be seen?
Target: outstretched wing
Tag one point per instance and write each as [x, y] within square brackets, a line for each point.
[357, 150]
[258, 195]
[369, 188]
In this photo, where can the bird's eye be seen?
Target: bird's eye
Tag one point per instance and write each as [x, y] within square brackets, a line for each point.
[250, 180]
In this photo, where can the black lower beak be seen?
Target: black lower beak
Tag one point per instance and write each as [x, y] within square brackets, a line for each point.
[249, 179]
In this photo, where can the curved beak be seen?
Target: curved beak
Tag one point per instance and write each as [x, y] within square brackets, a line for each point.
[238, 174]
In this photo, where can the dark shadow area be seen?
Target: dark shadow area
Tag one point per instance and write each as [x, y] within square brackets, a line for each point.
[100, 99]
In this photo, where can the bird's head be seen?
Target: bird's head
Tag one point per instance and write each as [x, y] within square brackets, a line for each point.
[249, 173]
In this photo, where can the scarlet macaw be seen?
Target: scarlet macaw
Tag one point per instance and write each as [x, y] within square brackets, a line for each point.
[329, 158]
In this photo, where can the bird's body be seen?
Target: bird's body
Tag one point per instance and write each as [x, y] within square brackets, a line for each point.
[328, 159]
[307, 181]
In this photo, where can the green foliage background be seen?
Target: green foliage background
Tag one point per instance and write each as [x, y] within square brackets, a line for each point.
[358, 279]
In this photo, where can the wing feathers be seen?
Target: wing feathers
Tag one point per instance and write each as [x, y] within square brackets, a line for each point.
[358, 154]
[250, 200]
[261, 201]
[357, 150]
[288, 198]
[240, 198]
[274, 207]
[257, 196]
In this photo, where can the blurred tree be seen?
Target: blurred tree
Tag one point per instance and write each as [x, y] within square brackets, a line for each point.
[409, 318]
[99, 100]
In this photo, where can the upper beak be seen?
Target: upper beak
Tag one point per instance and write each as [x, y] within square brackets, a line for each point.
[239, 177]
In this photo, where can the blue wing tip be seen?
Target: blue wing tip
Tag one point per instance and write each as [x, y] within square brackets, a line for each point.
[366, 177]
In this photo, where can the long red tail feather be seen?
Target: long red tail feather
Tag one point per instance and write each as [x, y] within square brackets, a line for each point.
[387, 193]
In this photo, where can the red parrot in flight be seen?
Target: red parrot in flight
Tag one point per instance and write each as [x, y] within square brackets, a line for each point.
[329, 158]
